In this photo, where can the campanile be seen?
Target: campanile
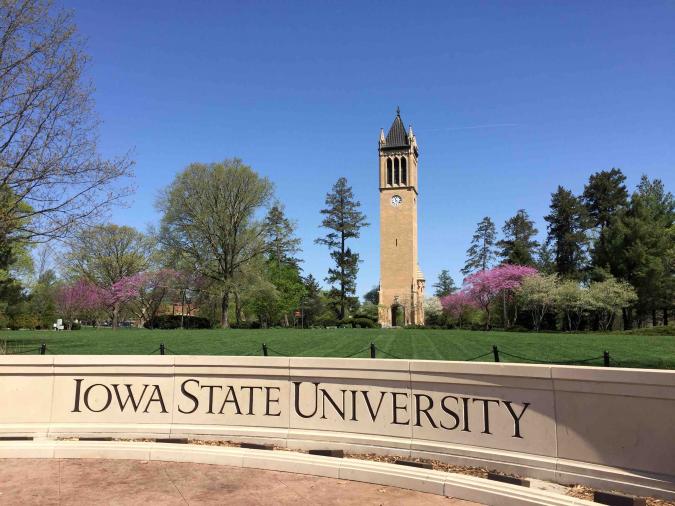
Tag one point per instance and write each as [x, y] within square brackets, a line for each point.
[401, 280]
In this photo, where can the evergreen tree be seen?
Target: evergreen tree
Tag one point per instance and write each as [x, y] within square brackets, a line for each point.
[445, 284]
[481, 252]
[566, 232]
[639, 249]
[518, 246]
[344, 221]
[373, 295]
[544, 261]
[312, 304]
[603, 196]
[280, 236]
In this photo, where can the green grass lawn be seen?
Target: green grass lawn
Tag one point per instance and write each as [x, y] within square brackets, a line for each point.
[625, 350]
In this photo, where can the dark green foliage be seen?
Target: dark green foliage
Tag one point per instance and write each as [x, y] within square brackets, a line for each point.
[480, 254]
[168, 321]
[604, 195]
[344, 221]
[567, 224]
[445, 284]
[364, 323]
[283, 245]
[373, 295]
[518, 245]
[638, 248]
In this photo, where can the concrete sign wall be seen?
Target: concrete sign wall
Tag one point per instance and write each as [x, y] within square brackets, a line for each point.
[604, 427]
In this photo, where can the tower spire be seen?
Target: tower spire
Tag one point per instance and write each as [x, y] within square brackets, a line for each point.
[398, 111]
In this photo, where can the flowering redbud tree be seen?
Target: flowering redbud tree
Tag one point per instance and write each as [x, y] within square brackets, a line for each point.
[457, 304]
[485, 286]
[77, 299]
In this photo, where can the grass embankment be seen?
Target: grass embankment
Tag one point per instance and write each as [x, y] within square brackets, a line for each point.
[626, 350]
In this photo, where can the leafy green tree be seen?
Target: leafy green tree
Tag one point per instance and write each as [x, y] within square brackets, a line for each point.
[518, 245]
[539, 294]
[313, 303]
[481, 252]
[573, 301]
[567, 223]
[608, 298]
[209, 219]
[42, 302]
[106, 254]
[344, 220]
[445, 284]
[289, 286]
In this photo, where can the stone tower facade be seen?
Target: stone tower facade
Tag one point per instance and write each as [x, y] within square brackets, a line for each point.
[401, 280]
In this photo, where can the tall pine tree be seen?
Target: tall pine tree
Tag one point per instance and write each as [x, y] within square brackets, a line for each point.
[518, 245]
[283, 245]
[481, 252]
[567, 223]
[445, 284]
[344, 221]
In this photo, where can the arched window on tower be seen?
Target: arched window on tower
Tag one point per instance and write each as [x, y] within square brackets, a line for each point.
[404, 172]
[389, 179]
[396, 175]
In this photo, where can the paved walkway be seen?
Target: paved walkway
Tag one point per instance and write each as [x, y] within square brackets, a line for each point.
[128, 482]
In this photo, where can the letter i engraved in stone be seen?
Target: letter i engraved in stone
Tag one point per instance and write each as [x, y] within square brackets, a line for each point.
[78, 387]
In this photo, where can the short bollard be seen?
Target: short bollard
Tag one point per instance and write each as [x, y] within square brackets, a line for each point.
[605, 358]
[162, 349]
[264, 349]
[372, 350]
[495, 352]
[43, 348]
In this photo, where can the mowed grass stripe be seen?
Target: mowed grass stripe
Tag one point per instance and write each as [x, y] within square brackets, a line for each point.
[627, 350]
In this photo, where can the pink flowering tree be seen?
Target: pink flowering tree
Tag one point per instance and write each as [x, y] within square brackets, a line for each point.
[457, 304]
[154, 288]
[484, 287]
[113, 297]
[78, 299]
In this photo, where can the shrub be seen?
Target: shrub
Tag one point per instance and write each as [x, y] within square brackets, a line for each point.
[173, 322]
[364, 323]
[254, 324]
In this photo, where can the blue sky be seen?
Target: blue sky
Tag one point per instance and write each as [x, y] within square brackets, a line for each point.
[507, 100]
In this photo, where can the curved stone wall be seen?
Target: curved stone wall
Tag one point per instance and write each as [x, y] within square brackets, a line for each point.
[608, 428]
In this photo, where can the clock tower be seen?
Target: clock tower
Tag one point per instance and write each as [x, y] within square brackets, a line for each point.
[401, 294]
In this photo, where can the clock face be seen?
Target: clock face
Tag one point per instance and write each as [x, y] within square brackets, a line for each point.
[396, 200]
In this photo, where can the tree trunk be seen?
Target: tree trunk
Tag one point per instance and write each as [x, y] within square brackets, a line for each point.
[116, 315]
[506, 315]
[182, 308]
[665, 316]
[224, 309]
[237, 308]
[342, 276]
[654, 320]
[627, 318]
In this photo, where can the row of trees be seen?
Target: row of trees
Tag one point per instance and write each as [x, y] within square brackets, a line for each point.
[601, 234]
[223, 246]
[528, 297]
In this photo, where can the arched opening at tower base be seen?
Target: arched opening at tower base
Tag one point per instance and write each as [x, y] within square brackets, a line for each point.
[397, 315]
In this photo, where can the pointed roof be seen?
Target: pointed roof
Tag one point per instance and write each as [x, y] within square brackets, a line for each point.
[397, 136]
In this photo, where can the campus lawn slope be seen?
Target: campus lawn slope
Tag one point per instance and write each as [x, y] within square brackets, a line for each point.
[625, 350]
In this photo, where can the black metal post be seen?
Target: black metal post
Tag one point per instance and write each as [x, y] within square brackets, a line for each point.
[161, 349]
[264, 348]
[43, 348]
[372, 350]
[605, 358]
[495, 352]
